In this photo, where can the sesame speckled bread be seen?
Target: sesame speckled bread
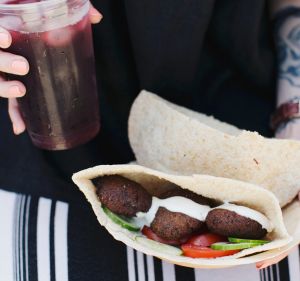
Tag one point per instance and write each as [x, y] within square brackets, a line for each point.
[222, 189]
[174, 139]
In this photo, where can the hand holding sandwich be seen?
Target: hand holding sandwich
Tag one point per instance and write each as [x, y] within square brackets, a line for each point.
[286, 27]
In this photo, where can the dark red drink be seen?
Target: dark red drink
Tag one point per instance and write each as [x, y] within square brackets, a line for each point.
[60, 108]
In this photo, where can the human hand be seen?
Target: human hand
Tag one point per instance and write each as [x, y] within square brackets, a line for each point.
[269, 262]
[13, 64]
[290, 130]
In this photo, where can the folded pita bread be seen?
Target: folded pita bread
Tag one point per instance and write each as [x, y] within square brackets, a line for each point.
[171, 138]
[222, 189]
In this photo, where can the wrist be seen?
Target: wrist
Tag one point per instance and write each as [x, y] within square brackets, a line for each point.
[286, 112]
[289, 130]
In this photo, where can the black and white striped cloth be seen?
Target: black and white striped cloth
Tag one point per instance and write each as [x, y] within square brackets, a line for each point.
[49, 240]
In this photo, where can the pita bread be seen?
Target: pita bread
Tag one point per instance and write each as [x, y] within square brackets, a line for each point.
[212, 187]
[174, 139]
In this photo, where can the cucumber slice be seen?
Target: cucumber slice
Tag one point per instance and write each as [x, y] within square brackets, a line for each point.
[239, 240]
[232, 246]
[122, 221]
[157, 246]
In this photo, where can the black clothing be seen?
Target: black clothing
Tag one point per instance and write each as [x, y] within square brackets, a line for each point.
[190, 52]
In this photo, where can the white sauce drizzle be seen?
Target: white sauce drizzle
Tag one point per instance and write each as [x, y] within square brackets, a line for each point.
[197, 211]
[249, 213]
[173, 204]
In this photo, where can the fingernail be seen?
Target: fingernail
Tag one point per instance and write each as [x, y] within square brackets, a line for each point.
[16, 91]
[96, 16]
[20, 66]
[4, 39]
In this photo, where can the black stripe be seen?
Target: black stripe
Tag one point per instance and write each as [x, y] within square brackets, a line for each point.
[135, 265]
[51, 237]
[284, 273]
[273, 269]
[32, 239]
[158, 270]
[146, 267]
[265, 274]
[184, 273]
[268, 273]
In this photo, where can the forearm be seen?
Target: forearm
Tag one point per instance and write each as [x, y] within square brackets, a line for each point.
[287, 40]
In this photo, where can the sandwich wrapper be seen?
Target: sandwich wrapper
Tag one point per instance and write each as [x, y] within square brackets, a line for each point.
[213, 159]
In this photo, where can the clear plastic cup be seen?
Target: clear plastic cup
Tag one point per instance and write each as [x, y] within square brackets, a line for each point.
[61, 107]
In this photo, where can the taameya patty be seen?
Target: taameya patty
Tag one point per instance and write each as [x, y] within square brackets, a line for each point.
[229, 223]
[174, 225]
[123, 196]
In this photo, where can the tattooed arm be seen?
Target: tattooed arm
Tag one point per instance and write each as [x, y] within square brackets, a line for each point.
[287, 39]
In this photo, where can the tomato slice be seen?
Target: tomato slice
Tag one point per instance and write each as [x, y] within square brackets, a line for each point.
[150, 234]
[206, 239]
[193, 251]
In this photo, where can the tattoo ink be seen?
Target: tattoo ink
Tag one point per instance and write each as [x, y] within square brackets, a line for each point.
[288, 45]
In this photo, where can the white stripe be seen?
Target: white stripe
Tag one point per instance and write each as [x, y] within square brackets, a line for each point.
[271, 273]
[43, 239]
[150, 267]
[130, 264]
[141, 266]
[277, 272]
[294, 265]
[168, 271]
[17, 234]
[23, 199]
[244, 272]
[61, 241]
[7, 204]
[26, 237]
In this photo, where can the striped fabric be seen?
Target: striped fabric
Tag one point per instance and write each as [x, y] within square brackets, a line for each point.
[38, 242]
[33, 238]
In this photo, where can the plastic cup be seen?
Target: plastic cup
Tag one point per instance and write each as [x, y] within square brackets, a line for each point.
[60, 108]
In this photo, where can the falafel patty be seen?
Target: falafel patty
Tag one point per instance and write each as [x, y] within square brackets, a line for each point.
[173, 225]
[122, 195]
[229, 223]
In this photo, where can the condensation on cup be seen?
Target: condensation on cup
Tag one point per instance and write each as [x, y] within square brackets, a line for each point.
[60, 108]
